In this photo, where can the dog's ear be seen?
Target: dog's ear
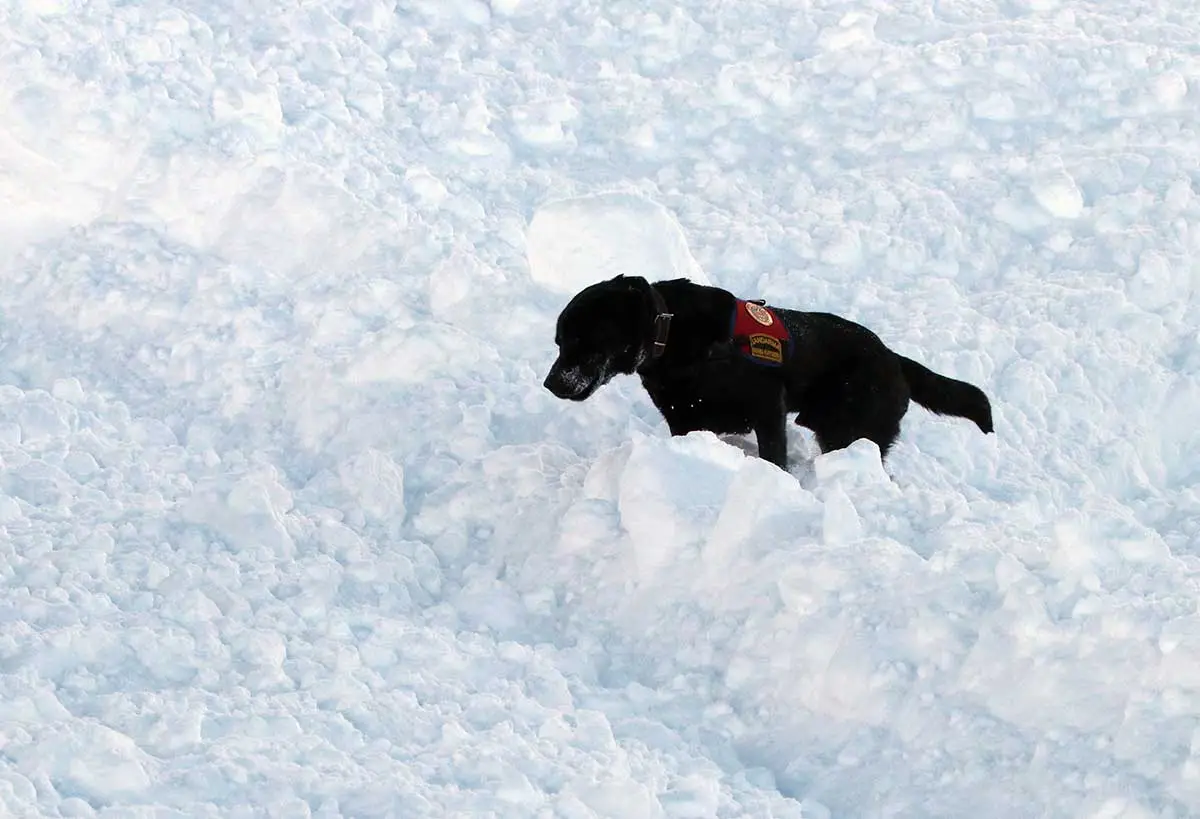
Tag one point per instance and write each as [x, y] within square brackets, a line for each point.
[632, 282]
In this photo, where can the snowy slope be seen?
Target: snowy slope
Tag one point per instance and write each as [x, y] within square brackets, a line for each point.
[289, 528]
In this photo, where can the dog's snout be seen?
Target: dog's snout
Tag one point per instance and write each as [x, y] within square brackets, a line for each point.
[554, 381]
[564, 381]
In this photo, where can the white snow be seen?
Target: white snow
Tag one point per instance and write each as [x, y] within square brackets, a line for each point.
[570, 242]
[289, 528]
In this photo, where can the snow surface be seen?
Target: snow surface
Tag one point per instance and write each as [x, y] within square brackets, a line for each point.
[290, 528]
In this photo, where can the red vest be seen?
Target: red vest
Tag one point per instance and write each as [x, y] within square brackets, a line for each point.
[758, 334]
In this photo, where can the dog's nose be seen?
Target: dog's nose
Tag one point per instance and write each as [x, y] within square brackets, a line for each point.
[557, 384]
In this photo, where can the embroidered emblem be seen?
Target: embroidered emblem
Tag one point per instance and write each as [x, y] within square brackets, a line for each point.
[760, 314]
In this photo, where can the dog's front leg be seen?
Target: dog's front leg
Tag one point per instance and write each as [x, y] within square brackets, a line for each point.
[771, 432]
[675, 424]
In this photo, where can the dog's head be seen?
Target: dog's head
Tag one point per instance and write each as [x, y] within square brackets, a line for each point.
[600, 333]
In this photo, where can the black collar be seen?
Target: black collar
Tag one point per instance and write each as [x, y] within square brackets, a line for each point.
[662, 323]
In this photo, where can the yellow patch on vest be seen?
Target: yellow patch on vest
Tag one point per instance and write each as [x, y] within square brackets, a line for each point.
[766, 347]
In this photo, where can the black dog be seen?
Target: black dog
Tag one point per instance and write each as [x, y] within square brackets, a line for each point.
[713, 362]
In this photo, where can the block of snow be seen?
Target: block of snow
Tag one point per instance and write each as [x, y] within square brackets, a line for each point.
[575, 242]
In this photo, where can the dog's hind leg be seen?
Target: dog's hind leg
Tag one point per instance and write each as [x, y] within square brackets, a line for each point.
[864, 399]
[771, 432]
[835, 435]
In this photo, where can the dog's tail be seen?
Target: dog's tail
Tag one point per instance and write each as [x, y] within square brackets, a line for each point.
[947, 396]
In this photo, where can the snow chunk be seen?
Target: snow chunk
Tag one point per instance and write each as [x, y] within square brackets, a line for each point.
[856, 465]
[841, 521]
[505, 8]
[1170, 89]
[249, 103]
[575, 242]
[10, 510]
[249, 514]
[41, 418]
[855, 29]
[377, 482]
[669, 492]
[1059, 195]
[453, 281]
[68, 390]
[90, 759]
[542, 124]
[1158, 283]
[45, 8]
[41, 484]
[995, 106]
[425, 188]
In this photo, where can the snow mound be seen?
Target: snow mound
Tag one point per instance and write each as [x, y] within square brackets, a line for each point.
[828, 628]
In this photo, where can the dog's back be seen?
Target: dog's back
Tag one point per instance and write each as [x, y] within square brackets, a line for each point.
[847, 384]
